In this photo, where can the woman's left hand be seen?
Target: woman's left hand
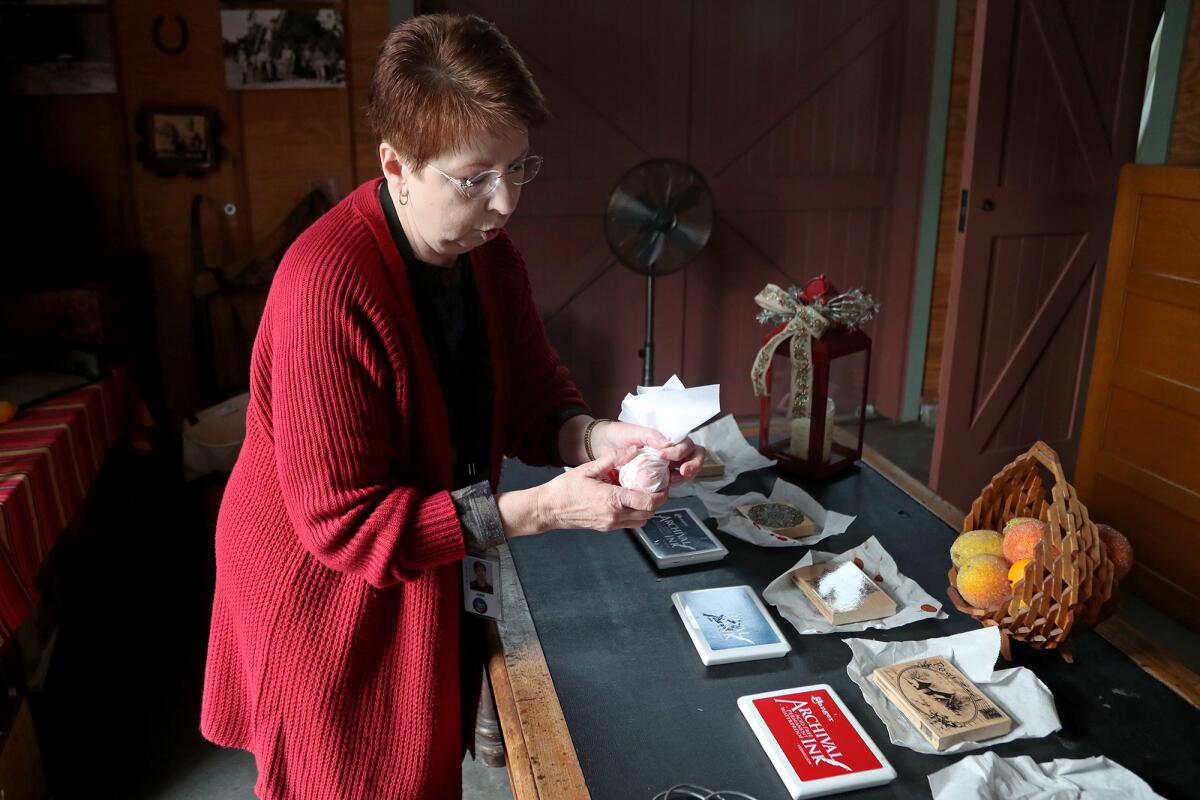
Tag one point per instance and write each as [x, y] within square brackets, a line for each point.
[686, 457]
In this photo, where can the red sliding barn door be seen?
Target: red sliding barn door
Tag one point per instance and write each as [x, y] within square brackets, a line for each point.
[808, 121]
[1056, 95]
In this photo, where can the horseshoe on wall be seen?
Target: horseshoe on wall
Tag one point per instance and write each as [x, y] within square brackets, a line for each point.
[184, 35]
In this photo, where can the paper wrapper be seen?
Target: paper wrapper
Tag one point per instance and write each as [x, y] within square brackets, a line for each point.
[647, 472]
[913, 604]
[724, 438]
[671, 409]
[724, 508]
[986, 776]
[1018, 691]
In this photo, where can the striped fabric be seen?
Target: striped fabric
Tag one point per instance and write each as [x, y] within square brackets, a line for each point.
[49, 456]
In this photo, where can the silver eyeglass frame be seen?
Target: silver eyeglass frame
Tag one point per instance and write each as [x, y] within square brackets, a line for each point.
[496, 176]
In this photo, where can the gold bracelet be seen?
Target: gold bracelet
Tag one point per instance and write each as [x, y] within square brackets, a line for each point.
[587, 437]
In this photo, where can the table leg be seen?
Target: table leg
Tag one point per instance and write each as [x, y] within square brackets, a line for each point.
[489, 743]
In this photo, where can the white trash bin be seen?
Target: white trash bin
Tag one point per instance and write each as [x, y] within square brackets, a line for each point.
[212, 441]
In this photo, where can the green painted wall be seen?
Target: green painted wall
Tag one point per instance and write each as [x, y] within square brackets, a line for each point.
[1156, 140]
[931, 203]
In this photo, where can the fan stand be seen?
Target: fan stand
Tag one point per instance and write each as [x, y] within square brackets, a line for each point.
[647, 351]
[659, 218]
[665, 222]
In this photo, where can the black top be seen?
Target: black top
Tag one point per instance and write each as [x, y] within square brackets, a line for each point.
[645, 714]
[452, 323]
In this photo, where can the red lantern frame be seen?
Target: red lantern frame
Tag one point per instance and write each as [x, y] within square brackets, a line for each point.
[835, 344]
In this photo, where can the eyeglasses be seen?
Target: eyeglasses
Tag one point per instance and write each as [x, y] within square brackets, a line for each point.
[483, 184]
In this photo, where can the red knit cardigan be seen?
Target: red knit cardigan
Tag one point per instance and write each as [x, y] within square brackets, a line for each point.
[333, 652]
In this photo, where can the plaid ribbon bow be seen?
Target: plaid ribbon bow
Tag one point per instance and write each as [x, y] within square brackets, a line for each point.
[806, 324]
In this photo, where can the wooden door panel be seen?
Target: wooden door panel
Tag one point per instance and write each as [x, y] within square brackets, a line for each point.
[1168, 238]
[720, 302]
[1147, 323]
[791, 111]
[595, 336]
[1054, 110]
[1174, 458]
[782, 54]
[1034, 409]
[1162, 536]
[1061, 135]
[626, 60]
[1030, 350]
[567, 259]
[1139, 462]
[806, 170]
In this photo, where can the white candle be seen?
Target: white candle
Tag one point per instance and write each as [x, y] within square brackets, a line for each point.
[801, 434]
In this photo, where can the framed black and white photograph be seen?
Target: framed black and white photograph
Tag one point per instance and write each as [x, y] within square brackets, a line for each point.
[283, 49]
[675, 537]
[729, 624]
[50, 50]
[174, 140]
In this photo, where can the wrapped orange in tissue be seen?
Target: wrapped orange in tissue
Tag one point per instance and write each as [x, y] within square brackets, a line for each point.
[673, 410]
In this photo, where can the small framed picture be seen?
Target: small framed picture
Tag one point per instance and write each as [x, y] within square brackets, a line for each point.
[174, 140]
[674, 537]
[729, 624]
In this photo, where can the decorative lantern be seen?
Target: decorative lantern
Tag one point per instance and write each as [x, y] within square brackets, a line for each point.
[829, 359]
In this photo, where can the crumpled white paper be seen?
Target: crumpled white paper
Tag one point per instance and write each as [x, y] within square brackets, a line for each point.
[725, 509]
[1018, 691]
[724, 438]
[671, 409]
[987, 776]
[795, 606]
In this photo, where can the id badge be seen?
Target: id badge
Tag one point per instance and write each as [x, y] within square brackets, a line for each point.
[481, 586]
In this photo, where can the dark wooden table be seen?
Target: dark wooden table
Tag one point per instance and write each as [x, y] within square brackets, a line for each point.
[600, 692]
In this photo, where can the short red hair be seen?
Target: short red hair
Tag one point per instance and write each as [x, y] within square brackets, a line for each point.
[443, 80]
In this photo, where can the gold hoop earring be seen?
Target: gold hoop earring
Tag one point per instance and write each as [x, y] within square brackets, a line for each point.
[402, 199]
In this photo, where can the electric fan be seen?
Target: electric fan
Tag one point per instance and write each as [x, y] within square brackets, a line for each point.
[660, 216]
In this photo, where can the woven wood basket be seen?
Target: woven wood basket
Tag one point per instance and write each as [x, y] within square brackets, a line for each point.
[1068, 585]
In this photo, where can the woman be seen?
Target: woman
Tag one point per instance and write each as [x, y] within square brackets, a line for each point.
[399, 359]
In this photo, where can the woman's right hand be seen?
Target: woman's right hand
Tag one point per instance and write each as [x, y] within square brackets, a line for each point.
[584, 497]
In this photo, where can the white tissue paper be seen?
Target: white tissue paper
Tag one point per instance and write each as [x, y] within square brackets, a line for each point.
[672, 410]
[725, 439]
[724, 508]
[1018, 691]
[912, 602]
[987, 776]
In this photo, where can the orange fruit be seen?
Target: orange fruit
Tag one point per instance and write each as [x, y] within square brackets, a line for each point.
[1017, 572]
[7, 411]
[1021, 537]
[1120, 551]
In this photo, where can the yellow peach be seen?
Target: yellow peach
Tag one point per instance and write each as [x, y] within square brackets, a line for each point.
[975, 543]
[983, 581]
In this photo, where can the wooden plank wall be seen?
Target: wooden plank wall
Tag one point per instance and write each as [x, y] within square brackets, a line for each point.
[277, 143]
[45, 156]
[1184, 151]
